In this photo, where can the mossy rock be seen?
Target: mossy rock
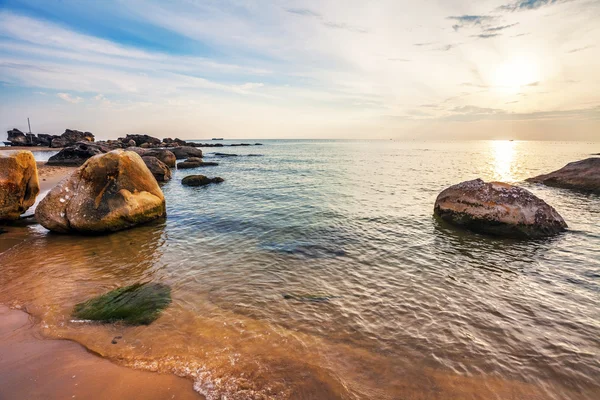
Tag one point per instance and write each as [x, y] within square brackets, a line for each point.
[138, 304]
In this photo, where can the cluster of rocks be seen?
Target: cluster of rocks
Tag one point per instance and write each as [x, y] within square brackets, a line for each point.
[505, 210]
[111, 189]
[71, 136]
[17, 138]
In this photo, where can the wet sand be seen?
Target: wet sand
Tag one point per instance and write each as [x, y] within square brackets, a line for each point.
[50, 175]
[35, 368]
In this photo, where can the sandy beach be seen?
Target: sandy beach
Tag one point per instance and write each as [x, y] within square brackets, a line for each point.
[35, 368]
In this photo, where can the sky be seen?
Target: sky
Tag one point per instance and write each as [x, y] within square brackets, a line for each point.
[372, 69]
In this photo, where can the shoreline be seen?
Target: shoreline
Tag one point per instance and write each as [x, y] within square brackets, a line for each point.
[34, 367]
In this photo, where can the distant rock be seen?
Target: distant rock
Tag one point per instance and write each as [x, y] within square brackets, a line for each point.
[498, 209]
[164, 155]
[186, 152]
[76, 154]
[239, 144]
[225, 155]
[139, 304]
[581, 175]
[200, 180]
[159, 169]
[195, 162]
[46, 139]
[17, 138]
[19, 184]
[70, 137]
[140, 140]
[110, 192]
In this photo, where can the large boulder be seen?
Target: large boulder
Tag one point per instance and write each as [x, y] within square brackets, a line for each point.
[186, 152]
[166, 156]
[579, 175]
[70, 137]
[19, 184]
[159, 169]
[200, 180]
[110, 192]
[77, 154]
[498, 209]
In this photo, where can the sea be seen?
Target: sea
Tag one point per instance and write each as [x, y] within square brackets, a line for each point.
[317, 270]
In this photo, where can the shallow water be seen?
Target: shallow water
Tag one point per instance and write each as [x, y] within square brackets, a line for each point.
[318, 271]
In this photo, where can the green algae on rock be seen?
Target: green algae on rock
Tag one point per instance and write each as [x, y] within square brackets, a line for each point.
[138, 304]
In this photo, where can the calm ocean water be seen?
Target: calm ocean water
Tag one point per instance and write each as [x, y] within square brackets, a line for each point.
[317, 270]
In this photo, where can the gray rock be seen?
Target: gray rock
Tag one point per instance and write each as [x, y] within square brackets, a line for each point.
[77, 154]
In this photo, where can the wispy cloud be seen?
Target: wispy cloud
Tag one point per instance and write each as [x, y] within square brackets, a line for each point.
[500, 28]
[486, 35]
[70, 98]
[464, 21]
[577, 50]
[305, 12]
[524, 5]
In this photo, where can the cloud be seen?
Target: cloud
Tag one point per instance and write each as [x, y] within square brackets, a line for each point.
[500, 28]
[467, 21]
[399, 59]
[580, 49]
[70, 99]
[423, 44]
[303, 11]
[486, 35]
[524, 5]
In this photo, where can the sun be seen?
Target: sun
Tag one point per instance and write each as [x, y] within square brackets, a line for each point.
[514, 74]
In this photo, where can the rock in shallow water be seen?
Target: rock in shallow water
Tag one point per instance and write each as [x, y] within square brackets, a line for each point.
[186, 152]
[200, 180]
[139, 304]
[498, 209]
[159, 169]
[19, 184]
[110, 192]
[580, 175]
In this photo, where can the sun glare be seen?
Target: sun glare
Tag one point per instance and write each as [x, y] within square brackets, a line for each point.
[504, 152]
[516, 73]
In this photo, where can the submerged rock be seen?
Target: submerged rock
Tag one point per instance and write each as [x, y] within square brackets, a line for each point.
[186, 152]
[139, 304]
[110, 192]
[579, 175]
[195, 162]
[225, 155]
[200, 180]
[77, 154]
[498, 209]
[159, 169]
[19, 184]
